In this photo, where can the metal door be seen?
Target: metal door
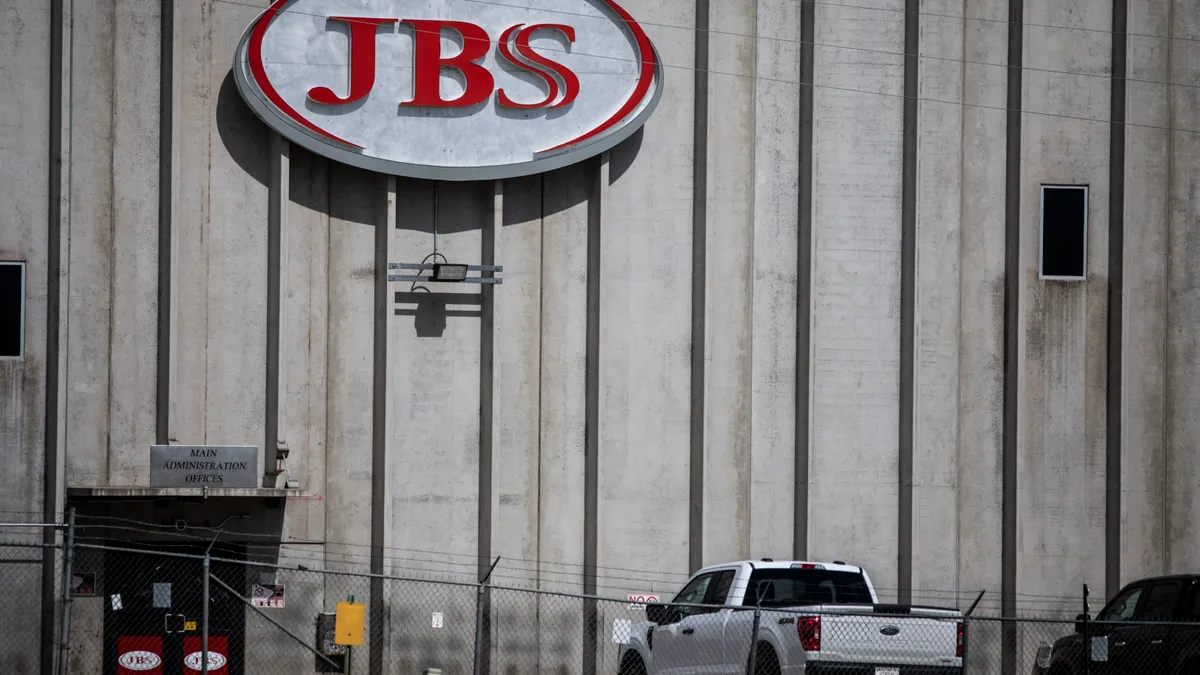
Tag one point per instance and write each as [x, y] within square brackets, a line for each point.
[153, 608]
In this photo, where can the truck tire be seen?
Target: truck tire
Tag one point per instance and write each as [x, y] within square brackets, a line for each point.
[633, 665]
[766, 662]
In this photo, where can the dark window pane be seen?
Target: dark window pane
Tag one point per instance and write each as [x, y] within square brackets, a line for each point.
[1160, 602]
[786, 587]
[721, 592]
[1064, 211]
[1122, 608]
[694, 592]
[12, 309]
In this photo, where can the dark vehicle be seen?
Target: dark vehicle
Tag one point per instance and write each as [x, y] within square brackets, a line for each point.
[1151, 626]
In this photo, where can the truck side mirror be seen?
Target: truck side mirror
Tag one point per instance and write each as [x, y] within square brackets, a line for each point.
[657, 613]
[1081, 623]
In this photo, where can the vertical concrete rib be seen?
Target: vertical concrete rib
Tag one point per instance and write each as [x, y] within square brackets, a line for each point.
[908, 290]
[1012, 284]
[166, 137]
[1116, 288]
[804, 282]
[699, 279]
[591, 463]
[277, 210]
[487, 390]
[53, 268]
[379, 435]
[487, 354]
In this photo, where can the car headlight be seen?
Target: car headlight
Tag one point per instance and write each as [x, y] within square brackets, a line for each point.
[1043, 656]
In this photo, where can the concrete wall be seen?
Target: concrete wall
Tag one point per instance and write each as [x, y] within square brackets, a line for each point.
[623, 407]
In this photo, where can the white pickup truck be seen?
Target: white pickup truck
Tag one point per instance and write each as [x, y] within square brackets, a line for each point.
[814, 619]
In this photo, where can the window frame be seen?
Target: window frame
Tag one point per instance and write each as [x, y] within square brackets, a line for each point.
[1087, 200]
[23, 310]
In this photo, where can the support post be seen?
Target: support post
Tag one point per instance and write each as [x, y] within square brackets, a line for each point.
[478, 631]
[1087, 634]
[204, 619]
[68, 561]
[752, 659]
[480, 605]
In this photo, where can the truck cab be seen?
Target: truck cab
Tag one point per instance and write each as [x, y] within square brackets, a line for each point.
[1151, 626]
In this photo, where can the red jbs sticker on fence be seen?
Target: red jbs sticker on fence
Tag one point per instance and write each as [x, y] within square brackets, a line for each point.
[218, 655]
[139, 655]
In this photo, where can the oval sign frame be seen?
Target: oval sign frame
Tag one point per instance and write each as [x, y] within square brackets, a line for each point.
[307, 135]
[153, 663]
[216, 660]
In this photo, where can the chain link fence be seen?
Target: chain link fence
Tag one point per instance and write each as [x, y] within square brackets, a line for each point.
[32, 559]
[134, 611]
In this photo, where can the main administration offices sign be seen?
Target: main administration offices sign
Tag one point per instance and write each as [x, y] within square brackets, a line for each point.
[214, 466]
[450, 89]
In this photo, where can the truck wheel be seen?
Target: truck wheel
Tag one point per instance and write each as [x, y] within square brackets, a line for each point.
[766, 662]
[633, 665]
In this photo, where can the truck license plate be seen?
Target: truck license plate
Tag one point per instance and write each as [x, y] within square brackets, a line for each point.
[887, 671]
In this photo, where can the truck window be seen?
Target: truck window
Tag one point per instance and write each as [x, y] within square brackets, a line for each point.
[1122, 608]
[694, 592]
[785, 587]
[1160, 602]
[721, 590]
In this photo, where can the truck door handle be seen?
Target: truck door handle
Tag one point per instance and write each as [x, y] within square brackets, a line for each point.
[689, 631]
[1119, 644]
[1156, 642]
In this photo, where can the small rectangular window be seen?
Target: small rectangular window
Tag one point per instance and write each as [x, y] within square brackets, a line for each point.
[12, 309]
[1063, 246]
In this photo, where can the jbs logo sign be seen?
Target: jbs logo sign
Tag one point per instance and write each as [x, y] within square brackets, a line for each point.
[195, 661]
[139, 660]
[450, 89]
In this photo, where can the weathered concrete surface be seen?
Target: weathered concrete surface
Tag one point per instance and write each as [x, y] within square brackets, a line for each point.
[1062, 342]
[1145, 307]
[981, 331]
[435, 354]
[1183, 300]
[306, 336]
[563, 348]
[729, 279]
[356, 207]
[236, 260]
[516, 380]
[25, 68]
[517, 228]
[936, 361]
[89, 306]
[856, 287]
[134, 167]
[563, 416]
[645, 324]
[191, 158]
[773, 261]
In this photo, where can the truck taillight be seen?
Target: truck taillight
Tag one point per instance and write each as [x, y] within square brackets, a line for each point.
[959, 650]
[809, 628]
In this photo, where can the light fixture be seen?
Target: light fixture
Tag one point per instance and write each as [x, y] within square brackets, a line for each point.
[449, 272]
[445, 271]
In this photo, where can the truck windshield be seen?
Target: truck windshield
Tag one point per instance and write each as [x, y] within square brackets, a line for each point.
[788, 587]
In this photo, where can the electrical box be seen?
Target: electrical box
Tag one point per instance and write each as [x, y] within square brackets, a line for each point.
[351, 621]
